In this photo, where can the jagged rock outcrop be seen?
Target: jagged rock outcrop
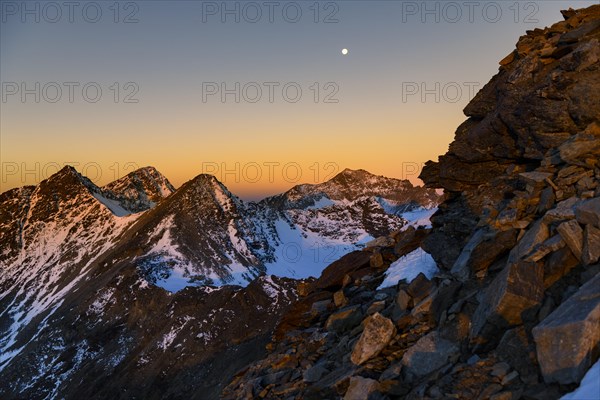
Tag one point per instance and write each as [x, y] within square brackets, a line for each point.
[571, 329]
[515, 239]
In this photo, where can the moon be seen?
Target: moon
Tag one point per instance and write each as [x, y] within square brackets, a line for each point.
[344, 51]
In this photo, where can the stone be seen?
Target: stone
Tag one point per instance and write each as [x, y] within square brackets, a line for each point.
[393, 372]
[546, 309]
[303, 288]
[517, 288]
[549, 246]
[564, 210]
[588, 212]
[344, 320]
[508, 59]
[494, 247]
[339, 299]
[500, 369]
[489, 391]
[333, 276]
[535, 178]
[503, 396]
[473, 359]
[578, 146]
[443, 299]
[320, 307]
[286, 361]
[461, 269]
[376, 261]
[428, 354]
[517, 348]
[557, 265]
[591, 245]
[424, 306]
[347, 280]
[566, 341]
[360, 388]
[383, 241]
[509, 378]
[314, 373]
[572, 234]
[380, 296]
[419, 288]
[377, 333]
[403, 300]
[534, 236]
[547, 199]
[409, 240]
[377, 306]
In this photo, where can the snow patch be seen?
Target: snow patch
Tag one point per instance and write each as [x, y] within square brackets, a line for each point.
[409, 267]
[589, 388]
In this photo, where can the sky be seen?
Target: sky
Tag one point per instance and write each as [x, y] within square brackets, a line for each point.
[258, 94]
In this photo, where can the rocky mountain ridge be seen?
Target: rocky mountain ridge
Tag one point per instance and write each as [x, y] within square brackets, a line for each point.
[514, 312]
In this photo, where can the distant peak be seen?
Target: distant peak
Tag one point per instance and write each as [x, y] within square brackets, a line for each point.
[205, 178]
[68, 169]
[353, 174]
[208, 182]
[68, 172]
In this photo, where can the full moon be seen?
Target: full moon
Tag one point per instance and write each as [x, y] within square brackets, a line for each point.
[344, 51]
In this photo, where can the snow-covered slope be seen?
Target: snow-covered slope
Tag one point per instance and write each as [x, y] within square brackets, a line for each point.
[55, 231]
[203, 234]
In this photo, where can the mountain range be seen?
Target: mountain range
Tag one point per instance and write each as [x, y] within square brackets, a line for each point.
[78, 260]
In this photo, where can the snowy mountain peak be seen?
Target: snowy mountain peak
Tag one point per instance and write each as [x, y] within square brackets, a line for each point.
[68, 178]
[140, 190]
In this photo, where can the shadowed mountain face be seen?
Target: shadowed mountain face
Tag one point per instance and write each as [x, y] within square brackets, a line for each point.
[85, 268]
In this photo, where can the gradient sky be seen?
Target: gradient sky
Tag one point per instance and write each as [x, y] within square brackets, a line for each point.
[176, 47]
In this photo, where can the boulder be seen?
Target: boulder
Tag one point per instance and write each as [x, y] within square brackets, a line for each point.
[557, 265]
[332, 277]
[572, 234]
[344, 320]
[377, 333]
[376, 306]
[551, 245]
[461, 269]
[360, 388]
[403, 300]
[428, 354]
[517, 348]
[339, 299]
[517, 288]
[420, 287]
[534, 236]
[588, 212]
[582, 144]
[376, 261]
[565, 210]
[567, 341]
[535, 178]
[591, 245]
[408, 240]
[314, 373]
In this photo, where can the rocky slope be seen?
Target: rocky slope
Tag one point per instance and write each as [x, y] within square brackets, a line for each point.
[514, 310]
